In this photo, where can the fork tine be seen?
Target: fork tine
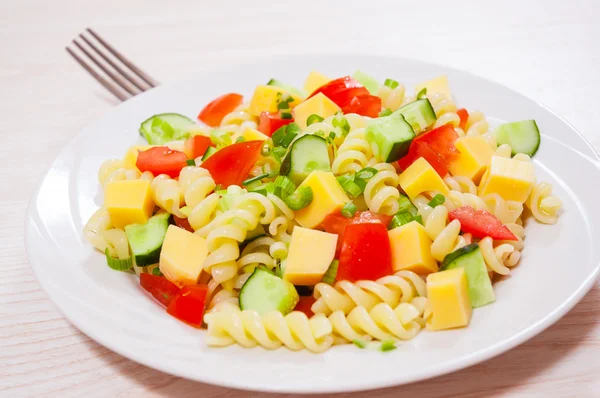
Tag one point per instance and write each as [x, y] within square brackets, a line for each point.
[113, 64]
[124, 60]
[117, 79]
[110, 87]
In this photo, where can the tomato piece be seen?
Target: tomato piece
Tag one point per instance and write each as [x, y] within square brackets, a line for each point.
[423, 150]
[366, 253]
[188, 304]
[196, 146]
[335, 223]
[161, 160]
[182, 223]
[442, 140]
[342, 90]
[365, 105]
[231, 165]
[365, 217]
[215, 111]
[463, 114]
[481, 223]
[159, 287]
[304, 305]
[271, 122]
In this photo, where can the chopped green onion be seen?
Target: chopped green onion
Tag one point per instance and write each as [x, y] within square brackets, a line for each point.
[404, 204]
[220, 138]
[391, 83]
[278, 152]
[286, 115]
[349, 210]
[285, 184]
[240, 139]
[301, 198]
[387, 345]
[419, 219]
[314, 118]
[254, 179]
[359, 343]
[422, 94]
[266, 149]
[278, 135]
[285, 135]
[283, 105]
[332, 135]
[331, 273]
[264, 189]
[348, 184]
[366, 173]
[287, 140]
[190, 162]
[400, 219]
[292, 128]
[385, 112]
[156, 272]
[437, 200]
[117, 264]
[340, 121]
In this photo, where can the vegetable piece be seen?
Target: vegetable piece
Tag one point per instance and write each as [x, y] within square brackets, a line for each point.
[128, 202]
[341, 91]
[314, 118]
[145, 240]
[165, 127]
[217, 109]
[301, 198]
[420, 177]
[522, 137]
[188, 304]
[182, 256]
[366, 80]
[448, 299]
[317, 105]
[308, 153]
[422, 93]
[366, 253]
[230, 165]
[328, 197]
[161, 160]
[404, 204]
[437, 200]
[481, 223]
[271, 122]
[469, 257]
[287, 87]
[268, 98]
[264, 292]
[360, 343]
[349, 210]
[419, 114]
[387, 345]
[301, 269]
[365, 105]
[421, 149]
[331, 272]
[512, 179]
[463, 114]
[182, 223]
[392, 136]
[304, 305]
[159, 287]
[196, 146]
[252, 180]
[411, 249]
[385, 112]
[474, 159]
[209, 152]
[117, 264]
[391, 83]
[284, 136]
[314, 81]
[400, 219]
[349, 186]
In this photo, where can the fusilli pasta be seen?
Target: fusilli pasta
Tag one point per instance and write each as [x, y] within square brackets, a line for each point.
[446, 237]
[543, 205]
[381, 192]
[114, 170]
[393, 98]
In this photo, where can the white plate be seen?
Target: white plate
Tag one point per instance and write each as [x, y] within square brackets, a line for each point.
[559, 264]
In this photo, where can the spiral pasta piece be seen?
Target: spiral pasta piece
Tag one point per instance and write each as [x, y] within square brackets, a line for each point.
[353, 154]
[461, 184]
[247, 328]
[476, 125]
[500, 258]
[195, 183]
[167, 194]
[445, 110]
[543, 205]
[100, 233]
[446, 237]
[507, 211]
[239, 120]
[114, 170]
[401, 287]
[393, 98]
[381, 192]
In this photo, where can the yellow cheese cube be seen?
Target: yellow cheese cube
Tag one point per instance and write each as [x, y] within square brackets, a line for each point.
[310, 254]
[132, 154]
[475, 157]
[251, 134]
[319, 105]
[182, 256]
[314, 81]
[448, 299]
[510, 178]
[411, 249]
[266, 98]
[420, 177]
[128, 202]
[438, 85]
[328, 196]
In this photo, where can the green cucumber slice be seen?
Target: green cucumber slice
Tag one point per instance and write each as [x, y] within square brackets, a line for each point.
[264, 292]
[368, 81]
[165, 127]
[145, 240]
[522, 137]
[419, 114]
[307, 153]
[392, 134]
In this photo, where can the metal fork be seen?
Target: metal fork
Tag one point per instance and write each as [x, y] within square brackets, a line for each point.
[121, 77]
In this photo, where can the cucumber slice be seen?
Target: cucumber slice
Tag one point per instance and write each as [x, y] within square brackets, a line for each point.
[522, 137]
[145, 240]
[209, 152]
[165, 127]
[470, 258]
[289, 88]
[368, 81]
[307, 153]
[419, 114]
[392, 134]
[264, 292]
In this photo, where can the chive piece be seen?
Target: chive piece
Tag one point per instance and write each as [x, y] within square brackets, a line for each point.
[419, 219]
[400, 219]
[156, 272]
[118, 264]
[404, 204]
[437, 200]
[301, 198]
[278, 136]
[391, 83]
[286, 184]
[254, 179]
[340, 121]
[190, 162]
[266, 149]
[314, 118]
[220, 138]
[264, 189]
[359, 343]
[287, 140]
[351, 187]
[331, 273]
[286, 115]
[349, 210]
[422, 94]
[366, 173]
[332, 135]
[388, 345]
[385, 112]
[240, 139]
[278, 152]
[283, 105]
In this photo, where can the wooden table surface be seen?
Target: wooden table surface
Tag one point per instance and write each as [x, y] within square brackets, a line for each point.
[547, 50]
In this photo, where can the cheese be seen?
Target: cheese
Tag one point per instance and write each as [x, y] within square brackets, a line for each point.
[420, 177]
[182, 256]
[266, 98]
[251, 134]
[131, 156]
[510, 178]
[310, 254]
[474, 158]
[411, 249]
[314, 81]
[448, 299]
[328, 196]
[438, 85]
[317, 105]
[128, 202]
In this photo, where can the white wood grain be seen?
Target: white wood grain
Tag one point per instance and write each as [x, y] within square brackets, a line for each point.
[545, 49]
